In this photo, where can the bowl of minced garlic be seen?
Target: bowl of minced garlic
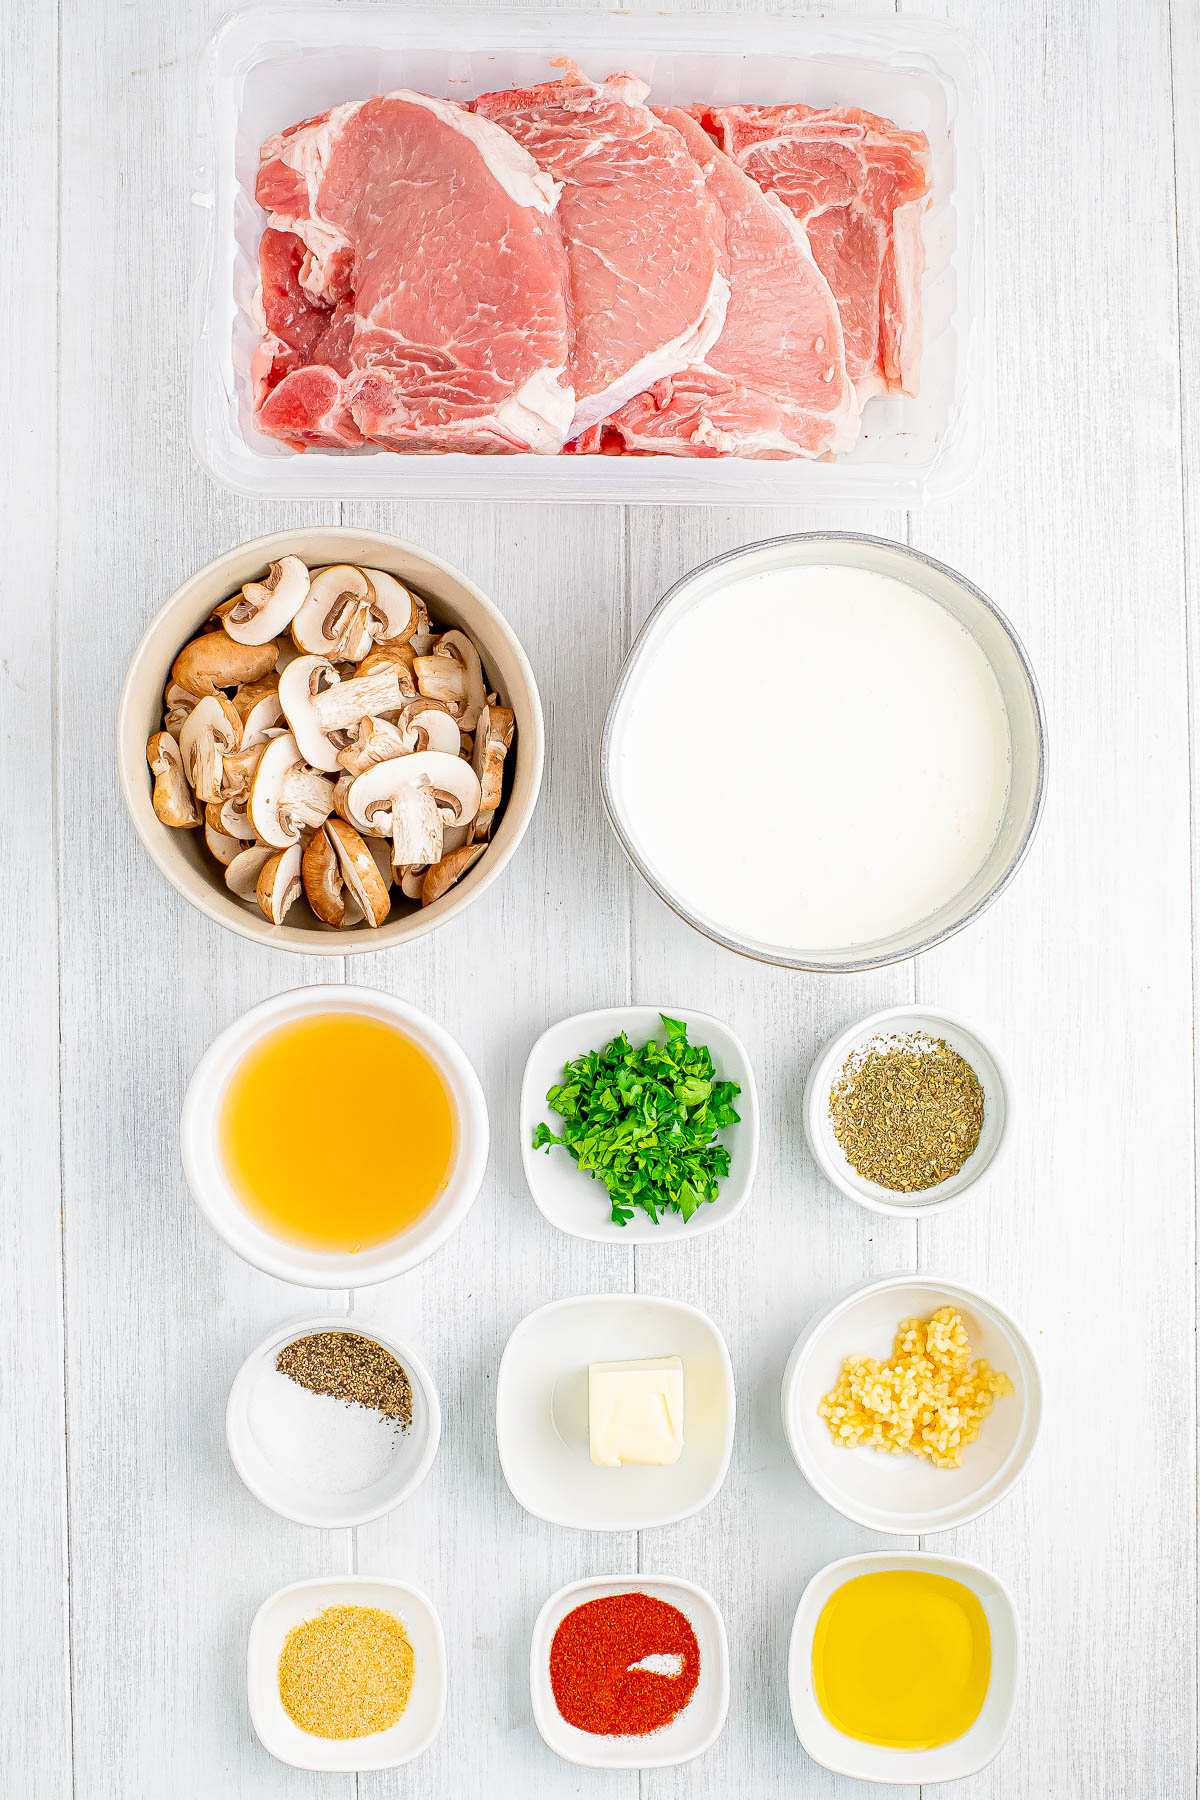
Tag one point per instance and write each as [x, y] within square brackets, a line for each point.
[347, 1673]
[929, 1400]
[925, 1437]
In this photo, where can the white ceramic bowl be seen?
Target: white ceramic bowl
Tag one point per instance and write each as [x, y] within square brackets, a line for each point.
[542, 1411]
[875, 1762]
[215, 1196]
[902, 1021]
[576, 1202]
[690, 1733]
[415, 1447]
[421, 1719]
[454, 601]
[907, 1494]
[999, 644]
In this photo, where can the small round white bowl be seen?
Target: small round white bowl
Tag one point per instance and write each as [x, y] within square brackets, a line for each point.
[542, 1412]
[903, 1021]
[454, 601]
[575, 1201]
[214, 1194]
[690, 1733]
[974, 612]
[416, 1447]
[964, 1755]
[421, 1719]
[907, 1495]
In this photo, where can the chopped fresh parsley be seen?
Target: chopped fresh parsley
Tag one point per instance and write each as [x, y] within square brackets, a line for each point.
[644, 1122]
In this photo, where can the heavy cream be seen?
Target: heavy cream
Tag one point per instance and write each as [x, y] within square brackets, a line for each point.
[813, 758]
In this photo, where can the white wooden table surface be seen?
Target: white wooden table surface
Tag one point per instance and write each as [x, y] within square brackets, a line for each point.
[131, 1558]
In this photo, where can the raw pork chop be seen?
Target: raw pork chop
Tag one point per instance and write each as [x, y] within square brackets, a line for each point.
[774, 384]
[857, 183]
[643, 238]
[412, 284]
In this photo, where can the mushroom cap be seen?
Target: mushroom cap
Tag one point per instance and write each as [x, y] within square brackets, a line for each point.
[333, 620]
[265, 608]
[279, 884]
[359, 872]
[215, 660]
[444, 874]
[257, 705]
[454, 782]
[286, 795]
[241, 875]
[322, 877]
[493, 735]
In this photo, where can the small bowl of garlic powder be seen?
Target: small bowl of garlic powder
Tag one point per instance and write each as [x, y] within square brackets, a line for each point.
[907, 1110]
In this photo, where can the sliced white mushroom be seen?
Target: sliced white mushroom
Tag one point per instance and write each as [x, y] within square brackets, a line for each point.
[279, 885]
[214, 661]
[241, 875]
[265, 608]
[395, 613]
[177, 704]
[381, 853]
[286, 796]
[257, 706]
[223, 847]
[210, 733]
[453, 672]
[429, 725]
[324, 711]
[334, 620]
[397, 655]
[411, 799]
[375, 741]
[173, 800]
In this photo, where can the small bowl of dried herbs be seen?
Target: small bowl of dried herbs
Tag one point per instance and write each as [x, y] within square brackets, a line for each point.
[907, 1110]
[639, 1125]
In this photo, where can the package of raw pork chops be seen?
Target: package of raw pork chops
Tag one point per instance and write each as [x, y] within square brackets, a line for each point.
[558, 256]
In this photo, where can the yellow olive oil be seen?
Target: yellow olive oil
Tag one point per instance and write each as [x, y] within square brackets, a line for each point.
[337, 1132]
[903, 1658]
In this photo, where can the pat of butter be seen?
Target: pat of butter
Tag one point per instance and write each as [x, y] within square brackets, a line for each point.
[635, 1411]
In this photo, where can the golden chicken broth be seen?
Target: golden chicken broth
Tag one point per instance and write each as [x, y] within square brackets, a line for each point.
[337, 1132]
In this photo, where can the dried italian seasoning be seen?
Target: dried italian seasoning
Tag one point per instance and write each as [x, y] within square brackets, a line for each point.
[351, 1368]
[907, 1112]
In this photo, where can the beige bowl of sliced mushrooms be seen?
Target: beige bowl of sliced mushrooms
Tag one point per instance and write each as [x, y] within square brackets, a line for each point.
[330, 741]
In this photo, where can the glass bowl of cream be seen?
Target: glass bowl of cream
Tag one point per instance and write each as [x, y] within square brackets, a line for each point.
[826, 751]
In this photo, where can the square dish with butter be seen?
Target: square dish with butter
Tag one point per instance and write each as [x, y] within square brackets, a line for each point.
[596, 1428]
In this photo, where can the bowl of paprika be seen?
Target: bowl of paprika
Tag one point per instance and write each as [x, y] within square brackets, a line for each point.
[628, 1673]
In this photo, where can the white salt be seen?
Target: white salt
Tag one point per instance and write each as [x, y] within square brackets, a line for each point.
[317, 1442]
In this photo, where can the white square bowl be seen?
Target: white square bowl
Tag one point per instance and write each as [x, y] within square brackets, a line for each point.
[421, 1719]
[542, 1412]
[908, 1495]
[690, 1733]
[876, 1762]
[578, 1202]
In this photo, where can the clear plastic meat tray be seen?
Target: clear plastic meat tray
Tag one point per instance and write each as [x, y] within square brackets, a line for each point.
[271, 65]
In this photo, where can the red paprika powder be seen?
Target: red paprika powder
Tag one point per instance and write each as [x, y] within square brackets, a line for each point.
[597, 1686]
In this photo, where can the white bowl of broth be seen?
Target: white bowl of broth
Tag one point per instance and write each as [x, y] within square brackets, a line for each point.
[334, 1136]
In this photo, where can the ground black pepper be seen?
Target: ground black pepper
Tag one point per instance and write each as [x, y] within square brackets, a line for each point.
[349, 1367]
